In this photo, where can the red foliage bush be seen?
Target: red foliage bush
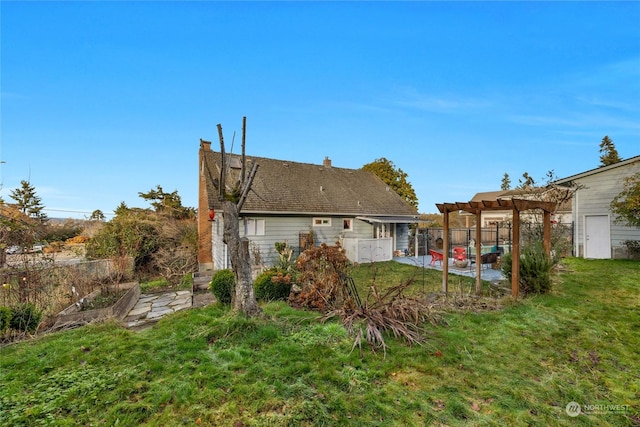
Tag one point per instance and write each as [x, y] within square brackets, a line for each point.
[319, 271]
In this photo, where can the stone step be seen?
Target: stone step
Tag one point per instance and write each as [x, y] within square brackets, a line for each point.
[201, 280]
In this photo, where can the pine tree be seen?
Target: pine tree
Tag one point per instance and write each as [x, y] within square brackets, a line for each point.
[97, 215]
[168, 203]
[28, 201]
[506, 182]
[609, 153]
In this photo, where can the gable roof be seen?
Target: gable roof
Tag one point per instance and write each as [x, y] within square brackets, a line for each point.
[287, 187]
[569, 179]
[489, 195]
[522, 193]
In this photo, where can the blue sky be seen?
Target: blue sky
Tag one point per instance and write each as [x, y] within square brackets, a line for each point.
[102, 100]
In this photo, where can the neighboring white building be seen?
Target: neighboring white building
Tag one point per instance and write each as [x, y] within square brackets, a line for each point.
[596, 233]
[489, 218]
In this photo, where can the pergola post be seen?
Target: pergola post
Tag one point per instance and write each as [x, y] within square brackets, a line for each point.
[546, 235]
[478, 249]
[445, 253]
[515, 254]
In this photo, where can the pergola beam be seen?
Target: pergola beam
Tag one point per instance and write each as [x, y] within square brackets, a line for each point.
[476, 208]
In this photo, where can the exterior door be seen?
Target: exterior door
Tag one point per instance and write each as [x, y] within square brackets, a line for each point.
[597, 237]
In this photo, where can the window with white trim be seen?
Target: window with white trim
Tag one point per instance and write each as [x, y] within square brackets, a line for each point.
[347, 224]
[254, 227]
[322, 222]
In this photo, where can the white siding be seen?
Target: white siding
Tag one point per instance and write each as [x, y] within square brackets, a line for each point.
[288, 229]
[595, 198]
[219, 249]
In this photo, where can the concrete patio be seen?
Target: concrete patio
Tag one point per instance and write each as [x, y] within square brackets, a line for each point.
[424, 261]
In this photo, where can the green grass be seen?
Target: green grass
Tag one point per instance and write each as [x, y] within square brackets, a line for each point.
[422, 280]
[517, 366]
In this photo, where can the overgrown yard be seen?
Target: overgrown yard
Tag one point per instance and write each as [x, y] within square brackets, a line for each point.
[521, 365]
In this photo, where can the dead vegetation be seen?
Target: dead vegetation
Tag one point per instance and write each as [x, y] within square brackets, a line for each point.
[390, 311]
[395, 310]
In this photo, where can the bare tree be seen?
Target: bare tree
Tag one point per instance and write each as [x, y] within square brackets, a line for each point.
[232, 196]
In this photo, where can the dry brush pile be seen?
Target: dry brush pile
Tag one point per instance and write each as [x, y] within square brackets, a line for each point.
[324, 280]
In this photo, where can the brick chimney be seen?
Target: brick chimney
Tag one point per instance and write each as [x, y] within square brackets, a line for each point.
[205, 242]
[205, 145]
[326, 162]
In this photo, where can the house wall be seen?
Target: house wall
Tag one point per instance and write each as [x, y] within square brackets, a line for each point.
[594, 199]
[288, 229]
[219, 253]
[489, 218]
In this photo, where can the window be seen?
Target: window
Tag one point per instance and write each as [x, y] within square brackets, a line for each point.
[322, 222]
[347, 224]
[254, 227]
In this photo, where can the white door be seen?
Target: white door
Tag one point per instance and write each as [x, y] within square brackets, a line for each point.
[597, 237]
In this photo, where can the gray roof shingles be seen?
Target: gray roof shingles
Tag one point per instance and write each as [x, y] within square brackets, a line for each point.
[287, 187]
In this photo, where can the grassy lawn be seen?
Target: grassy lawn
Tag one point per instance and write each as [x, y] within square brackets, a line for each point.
[517, 366]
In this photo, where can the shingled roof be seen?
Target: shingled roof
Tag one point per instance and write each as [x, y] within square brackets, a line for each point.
[285, 187]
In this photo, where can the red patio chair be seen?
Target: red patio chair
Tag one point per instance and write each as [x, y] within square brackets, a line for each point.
[459, 253]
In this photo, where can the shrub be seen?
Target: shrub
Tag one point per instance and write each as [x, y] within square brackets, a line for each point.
[320, 268]
[633, 248]
[285, 255]
[272, 285]
[25, 318]
[535, 269]
[5, 319]
[222, 285]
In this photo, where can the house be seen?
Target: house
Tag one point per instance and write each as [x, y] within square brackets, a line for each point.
[596, 233]
[489, 218]
[302, 204]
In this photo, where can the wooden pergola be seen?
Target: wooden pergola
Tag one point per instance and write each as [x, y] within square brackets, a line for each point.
[476, 208]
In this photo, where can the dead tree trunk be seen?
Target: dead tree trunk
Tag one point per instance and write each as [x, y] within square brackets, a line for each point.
[243, 299]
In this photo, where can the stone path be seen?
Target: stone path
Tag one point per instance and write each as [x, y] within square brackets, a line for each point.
[151, 307]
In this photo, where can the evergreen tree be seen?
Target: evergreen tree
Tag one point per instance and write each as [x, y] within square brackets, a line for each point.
[122, 209]
[609, 154]
[506, 182]
[395, 178]
[27, 201]
[167, 203]
[97, 215]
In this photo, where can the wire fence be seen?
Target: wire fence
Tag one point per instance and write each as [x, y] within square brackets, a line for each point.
[498, 238]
